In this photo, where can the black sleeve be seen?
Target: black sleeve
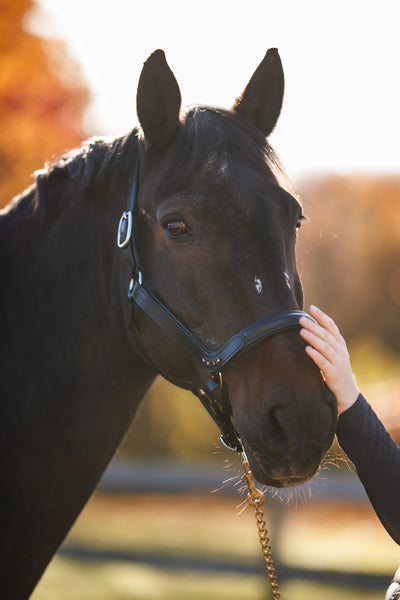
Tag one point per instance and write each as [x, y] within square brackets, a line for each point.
[377, 460]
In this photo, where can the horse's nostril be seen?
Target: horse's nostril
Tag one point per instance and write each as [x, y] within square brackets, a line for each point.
[273, 432]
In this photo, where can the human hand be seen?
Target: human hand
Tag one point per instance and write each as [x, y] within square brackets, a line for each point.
[328, 350]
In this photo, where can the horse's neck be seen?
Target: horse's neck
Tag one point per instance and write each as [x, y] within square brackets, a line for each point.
[61, 289]
[70, 386]
[62, 317]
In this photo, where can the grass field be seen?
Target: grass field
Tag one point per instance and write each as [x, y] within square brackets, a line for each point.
[329, 535]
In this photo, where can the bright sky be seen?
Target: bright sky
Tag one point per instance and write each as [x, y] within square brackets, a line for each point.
[341, 110]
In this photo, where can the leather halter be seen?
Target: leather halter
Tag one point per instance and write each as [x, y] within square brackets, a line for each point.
[214, 394]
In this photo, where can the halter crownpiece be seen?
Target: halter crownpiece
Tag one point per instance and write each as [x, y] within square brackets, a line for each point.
[214, 394]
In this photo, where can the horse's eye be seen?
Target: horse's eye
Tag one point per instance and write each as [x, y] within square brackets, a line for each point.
[299, 222]
[177, 228]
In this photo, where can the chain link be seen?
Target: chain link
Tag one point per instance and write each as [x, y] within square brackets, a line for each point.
[255, 498]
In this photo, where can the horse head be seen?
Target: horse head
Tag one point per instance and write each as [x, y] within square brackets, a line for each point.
[215, 236]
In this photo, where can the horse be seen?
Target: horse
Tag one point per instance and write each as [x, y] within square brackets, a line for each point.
[200, 286]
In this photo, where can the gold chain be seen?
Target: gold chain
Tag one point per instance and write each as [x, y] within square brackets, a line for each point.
[256, 499]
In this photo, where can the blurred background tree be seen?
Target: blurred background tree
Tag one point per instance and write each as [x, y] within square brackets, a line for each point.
[42, 99]
[349, 253]
[349, 260]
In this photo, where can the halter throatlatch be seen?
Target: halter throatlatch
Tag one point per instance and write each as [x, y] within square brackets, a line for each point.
[214, 394]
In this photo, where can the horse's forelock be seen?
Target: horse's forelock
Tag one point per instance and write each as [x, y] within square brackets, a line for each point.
[208, 132]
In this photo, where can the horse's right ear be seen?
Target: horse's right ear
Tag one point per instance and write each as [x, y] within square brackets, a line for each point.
[158, 101]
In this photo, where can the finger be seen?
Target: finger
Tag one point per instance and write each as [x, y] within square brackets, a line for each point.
[318, 331]
[326, 348]
[320, 360]
[312, 326]
[324, 320]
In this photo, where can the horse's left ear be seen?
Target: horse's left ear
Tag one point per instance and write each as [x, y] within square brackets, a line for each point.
[261, 101]
[158, 101]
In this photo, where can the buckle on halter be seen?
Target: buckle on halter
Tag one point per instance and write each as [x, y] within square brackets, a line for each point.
[133, 283]
[124, 229]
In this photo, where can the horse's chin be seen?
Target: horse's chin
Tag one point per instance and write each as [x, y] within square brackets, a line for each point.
[279, 478]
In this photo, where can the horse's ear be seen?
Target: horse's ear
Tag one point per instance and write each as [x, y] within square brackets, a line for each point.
[261, 101]
[158, 101]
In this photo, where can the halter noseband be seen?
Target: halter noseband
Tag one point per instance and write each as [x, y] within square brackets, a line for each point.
[214, 394]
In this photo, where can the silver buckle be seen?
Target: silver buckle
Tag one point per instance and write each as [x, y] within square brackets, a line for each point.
[124, 229]
[133, 283]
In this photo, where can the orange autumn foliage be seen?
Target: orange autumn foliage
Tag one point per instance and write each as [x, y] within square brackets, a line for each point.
[40, 110]
[349, 253]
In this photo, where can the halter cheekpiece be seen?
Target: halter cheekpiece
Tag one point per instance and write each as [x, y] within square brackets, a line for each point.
[214, 394]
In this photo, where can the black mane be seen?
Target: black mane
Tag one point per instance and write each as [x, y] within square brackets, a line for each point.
[96, 163]
[101, 162]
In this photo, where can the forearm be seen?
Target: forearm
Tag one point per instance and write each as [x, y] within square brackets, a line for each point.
[377, 460]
